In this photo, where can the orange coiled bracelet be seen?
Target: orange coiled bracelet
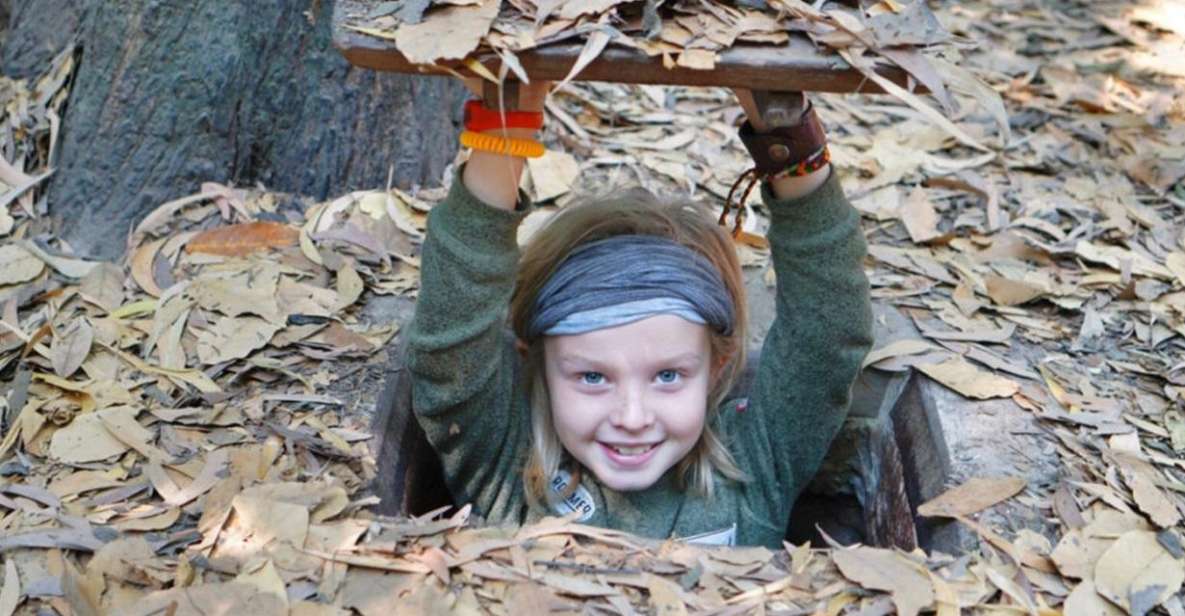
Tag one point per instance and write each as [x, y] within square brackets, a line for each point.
[509, 146]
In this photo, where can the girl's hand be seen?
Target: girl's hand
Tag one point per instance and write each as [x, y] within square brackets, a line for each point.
[494, 178]
[785, 109]
[769, 110]
[531, 96]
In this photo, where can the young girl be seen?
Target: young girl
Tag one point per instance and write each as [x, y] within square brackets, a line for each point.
[629, 329]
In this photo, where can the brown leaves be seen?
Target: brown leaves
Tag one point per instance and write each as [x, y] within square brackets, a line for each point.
[71, 346]
[1137, 573]
[17, 265]
[243, 239]
[1175, 262]
[973, 496]
[104, 286]
[963, 377]
[1006, 292]
[552, 175]
[10, 590]
[85, 439]
[1149, 498]
[217, 599]
[143, 264]
[231, 338]
[1013, 280]
[683, 34]
[886, 570]
[919, 218]
[451, 33]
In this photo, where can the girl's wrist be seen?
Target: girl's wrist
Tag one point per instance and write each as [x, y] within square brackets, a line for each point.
[492, 177]
[513, 133]
[795, 186]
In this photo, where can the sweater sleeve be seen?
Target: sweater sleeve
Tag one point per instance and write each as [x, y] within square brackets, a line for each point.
[821, 332]
[463, 369]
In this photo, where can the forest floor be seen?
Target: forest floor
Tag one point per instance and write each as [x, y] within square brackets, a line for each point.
[186, 432]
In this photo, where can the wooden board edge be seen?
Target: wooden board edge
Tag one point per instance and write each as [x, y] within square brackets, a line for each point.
[797, 67]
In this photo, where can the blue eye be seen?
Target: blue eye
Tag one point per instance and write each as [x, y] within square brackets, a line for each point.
[592, 378]
[667, 376]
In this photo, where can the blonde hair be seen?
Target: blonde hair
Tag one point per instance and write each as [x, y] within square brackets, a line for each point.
[637, 212]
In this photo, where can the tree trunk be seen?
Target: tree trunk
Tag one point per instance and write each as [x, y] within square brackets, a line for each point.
[35, 32]
[170, 94]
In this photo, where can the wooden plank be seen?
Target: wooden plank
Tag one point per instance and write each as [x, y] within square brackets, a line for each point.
[797, 66]
[410, 479]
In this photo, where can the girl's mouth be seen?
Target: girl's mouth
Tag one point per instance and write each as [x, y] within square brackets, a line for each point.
[630, 455]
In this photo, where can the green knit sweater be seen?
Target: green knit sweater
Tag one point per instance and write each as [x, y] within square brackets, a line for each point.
[467, 395]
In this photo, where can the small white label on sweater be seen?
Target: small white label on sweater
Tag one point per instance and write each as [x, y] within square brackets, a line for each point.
[579, 501]
[724, 536]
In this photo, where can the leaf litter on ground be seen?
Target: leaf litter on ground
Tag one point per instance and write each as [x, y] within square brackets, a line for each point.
[148, 464]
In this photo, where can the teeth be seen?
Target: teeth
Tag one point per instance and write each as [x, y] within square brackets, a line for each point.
[632, 451]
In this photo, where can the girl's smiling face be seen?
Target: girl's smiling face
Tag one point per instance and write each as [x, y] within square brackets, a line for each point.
[629, 402]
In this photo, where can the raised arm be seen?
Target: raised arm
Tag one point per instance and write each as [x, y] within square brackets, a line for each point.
[463, 382]
[821, 332]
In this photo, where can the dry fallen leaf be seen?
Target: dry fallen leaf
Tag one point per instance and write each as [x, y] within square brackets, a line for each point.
[85, 439]
[897, 348]
[243, 239]
[1010, 587]
[1085, 600]
[529, 598]
[1175, 262]
[963, 377]
[160, 521]
[552, 175]
[17, 265]
[71, 346]
[70, 267]
[142, 263]
[7, 222]
[1007, 292]
[1137, 573]
[255, 290]
[121, 423]
[104, 286]
[885, 570]
[215, 599]
[1174, 422]
[1150, 499]
[593, 47]
[233, 338]
[448, 34]
[664, 597]
[1115, 257]
[972, 496]
[1105, 338]
[10, 594]
[349, 286]
[918, 215]
[265, 578]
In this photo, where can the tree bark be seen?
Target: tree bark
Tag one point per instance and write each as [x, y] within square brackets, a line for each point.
[35, 32]
[170, 94]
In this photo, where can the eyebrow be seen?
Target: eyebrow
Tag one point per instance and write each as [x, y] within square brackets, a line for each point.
[568, 360]
[694, 359]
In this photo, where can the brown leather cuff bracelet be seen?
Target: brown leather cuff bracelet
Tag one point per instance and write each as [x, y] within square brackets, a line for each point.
[785, 146]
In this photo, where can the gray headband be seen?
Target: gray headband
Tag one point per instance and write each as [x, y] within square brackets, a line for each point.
[626, 278]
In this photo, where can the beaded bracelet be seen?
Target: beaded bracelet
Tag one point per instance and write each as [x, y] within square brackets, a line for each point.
[508, 146]
[807, 166]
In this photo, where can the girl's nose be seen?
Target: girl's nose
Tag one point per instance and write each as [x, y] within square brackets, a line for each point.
[632, 414]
